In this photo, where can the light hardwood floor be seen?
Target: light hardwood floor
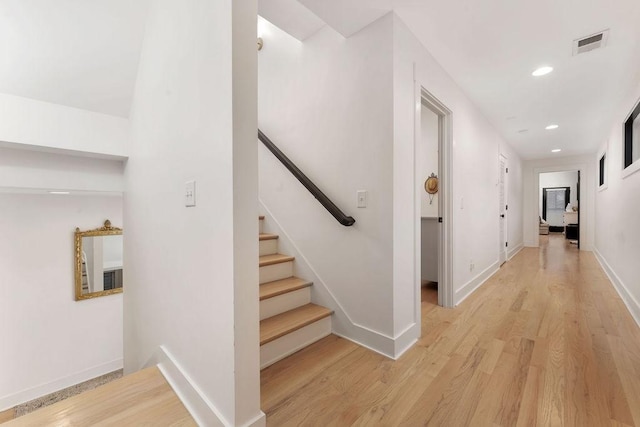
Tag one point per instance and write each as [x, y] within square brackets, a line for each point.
[140, 399]
[546, 341]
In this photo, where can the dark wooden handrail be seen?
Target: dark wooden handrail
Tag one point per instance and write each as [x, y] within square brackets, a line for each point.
[343, 219]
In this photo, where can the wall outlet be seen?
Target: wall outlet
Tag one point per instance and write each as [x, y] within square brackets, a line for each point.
[190, 194]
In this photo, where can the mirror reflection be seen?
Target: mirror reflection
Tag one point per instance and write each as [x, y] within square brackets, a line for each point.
[99, 265]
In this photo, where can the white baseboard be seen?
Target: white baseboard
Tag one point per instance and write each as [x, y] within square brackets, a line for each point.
[259, 421]
[365, 337]
[514, 251]
[473, 284]
[632, 304]
[200, 408]
[7, 402]
[384, 345]
[405, 340]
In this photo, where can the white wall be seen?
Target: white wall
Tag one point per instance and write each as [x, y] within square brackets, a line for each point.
[342, 124]
[476, 148]
[327, 103]
[617, 209]
[25, 170]
[49, 340]
[559, 179]
[531, 173]
[192, 284]
[33, 124]
[427, 160]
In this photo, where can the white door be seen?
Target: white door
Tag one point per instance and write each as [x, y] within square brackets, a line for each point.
[503, 209]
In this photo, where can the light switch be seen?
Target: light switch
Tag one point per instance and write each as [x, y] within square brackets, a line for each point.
[190, 194]
[362, 198]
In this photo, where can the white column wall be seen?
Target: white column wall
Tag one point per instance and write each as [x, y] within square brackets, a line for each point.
[192, 272]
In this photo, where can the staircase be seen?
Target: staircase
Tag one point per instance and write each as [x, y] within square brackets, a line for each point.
[288, 319]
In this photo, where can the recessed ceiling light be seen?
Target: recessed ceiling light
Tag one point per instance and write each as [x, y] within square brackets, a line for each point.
[542, 71]
[552, 127]
[523, 131]
[58, 192]
[557, 150]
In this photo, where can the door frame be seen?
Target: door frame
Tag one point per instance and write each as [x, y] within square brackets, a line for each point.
[503, 210]
[583, 206]
[445, 199]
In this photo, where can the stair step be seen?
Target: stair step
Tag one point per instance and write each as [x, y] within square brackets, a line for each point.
[267, 244]
[290, 321]
[260, 217]
[274, 259]
[283, 286]
[267, 236]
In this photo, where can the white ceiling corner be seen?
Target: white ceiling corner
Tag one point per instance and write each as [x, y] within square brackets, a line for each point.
[348, 16]
[78, 53]
[291, 17]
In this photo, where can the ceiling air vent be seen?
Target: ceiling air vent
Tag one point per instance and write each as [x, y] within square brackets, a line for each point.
[589, 43]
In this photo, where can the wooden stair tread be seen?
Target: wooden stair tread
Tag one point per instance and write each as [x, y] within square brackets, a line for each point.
[274, 259]
[289, 321]
[267, 236]
[260, 217]
[283, 286]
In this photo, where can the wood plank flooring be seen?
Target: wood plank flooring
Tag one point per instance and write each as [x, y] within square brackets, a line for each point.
[546, 341]
[140, 399]
[7, 415]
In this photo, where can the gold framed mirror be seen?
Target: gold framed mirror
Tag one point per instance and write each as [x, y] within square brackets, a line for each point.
[98, 262]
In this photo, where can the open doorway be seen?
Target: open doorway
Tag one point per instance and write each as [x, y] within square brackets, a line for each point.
[433, 172]
[502, 209]
[559, 206]
[427, 163]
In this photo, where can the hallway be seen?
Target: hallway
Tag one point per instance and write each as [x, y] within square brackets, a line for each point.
[546, 341]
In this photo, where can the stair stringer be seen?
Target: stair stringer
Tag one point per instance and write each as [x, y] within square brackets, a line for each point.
[342, 324]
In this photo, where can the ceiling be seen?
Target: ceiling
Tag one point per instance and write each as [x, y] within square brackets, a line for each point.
[78, 53]
[85, 53]
[491, 47]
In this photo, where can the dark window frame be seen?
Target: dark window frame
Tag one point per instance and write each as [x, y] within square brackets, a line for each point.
[602, 170]
[628, 136]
